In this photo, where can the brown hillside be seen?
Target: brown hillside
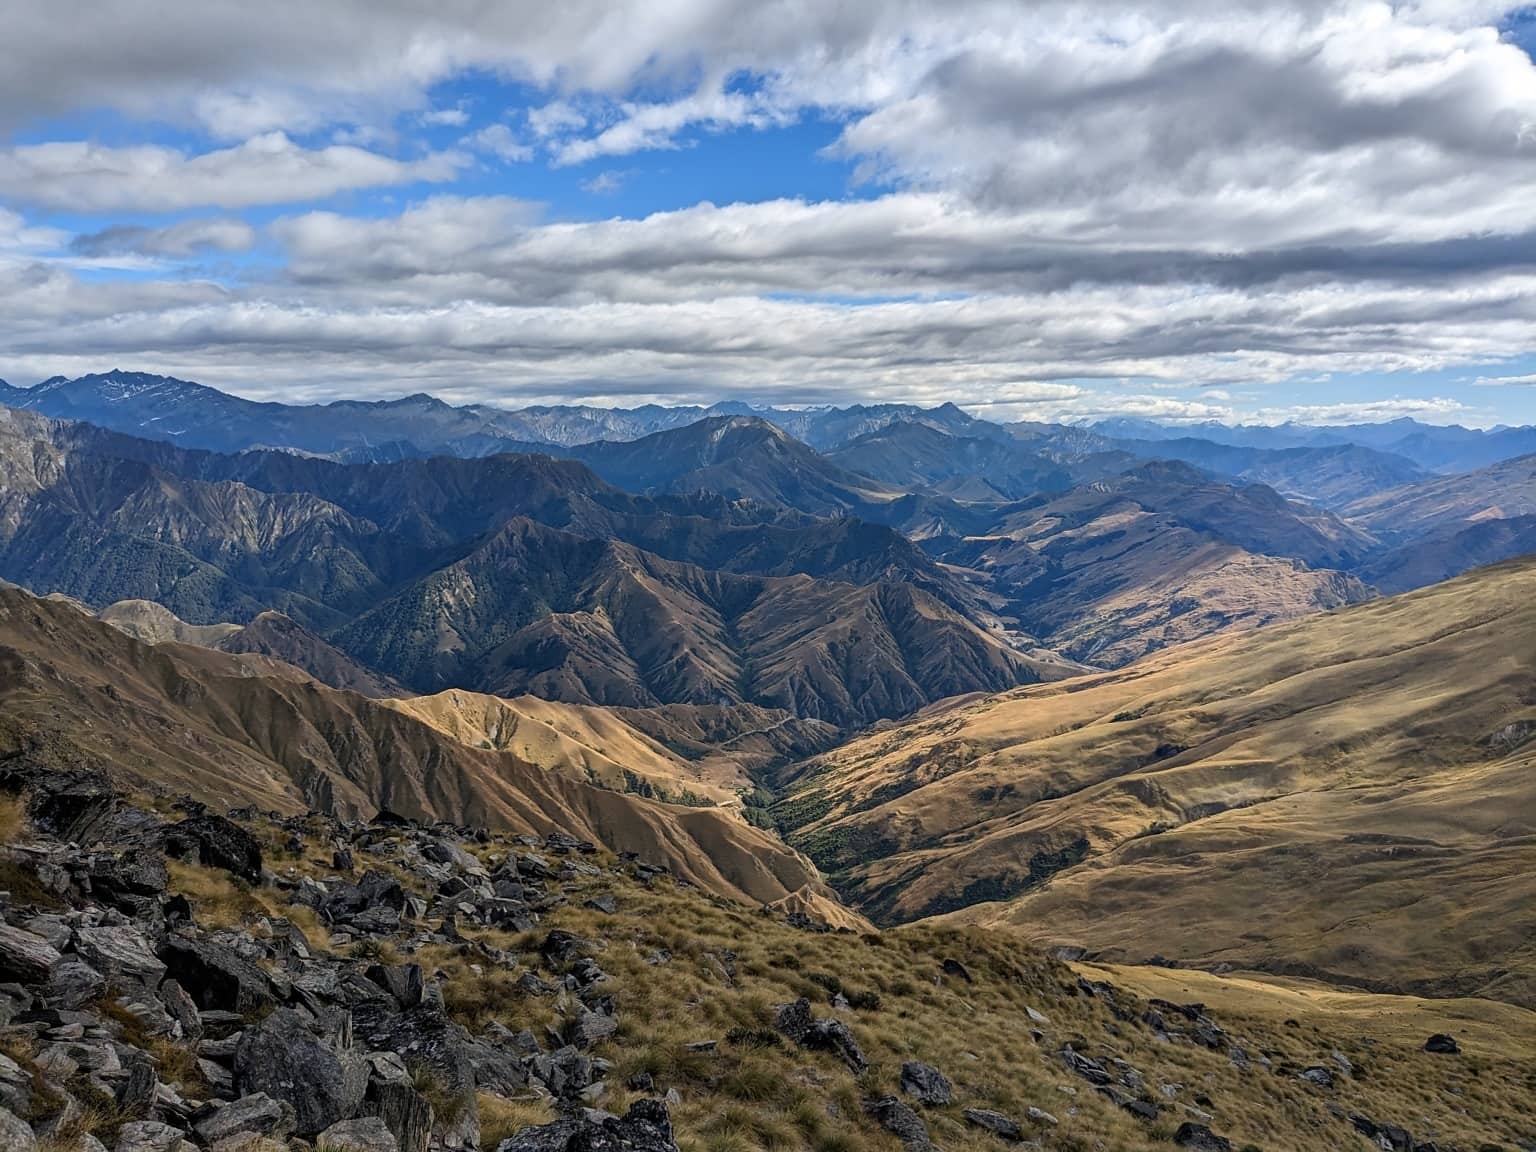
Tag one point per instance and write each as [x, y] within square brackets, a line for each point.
[1346, 795]
[198, 721]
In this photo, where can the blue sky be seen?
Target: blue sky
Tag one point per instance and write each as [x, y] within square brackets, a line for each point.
[1305, 210]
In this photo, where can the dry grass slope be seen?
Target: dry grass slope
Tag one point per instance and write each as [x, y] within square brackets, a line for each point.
[1346, 796]
[688, 969]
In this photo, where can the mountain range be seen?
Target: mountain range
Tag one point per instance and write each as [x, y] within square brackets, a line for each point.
[1226, 697]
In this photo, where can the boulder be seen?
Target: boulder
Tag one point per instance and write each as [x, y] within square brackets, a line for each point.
[216, 843]
[1442, 1044]
[796, 1022]
[257, 1113]
[1201, 1139]
[402, 981]
[322, 1082]
[25, 956]
[926, 1084]
[899, 1120]
[216, 977]
[120, 954]
[182, 1009]
[74, 806]
[425, 1038]
[363, 1134]
[151, 1136]
[995, 1123]
[73, 984]
[591, 1027]
[404, 1111]
[646, 1127]
[15, 1133]
[1090, 1070]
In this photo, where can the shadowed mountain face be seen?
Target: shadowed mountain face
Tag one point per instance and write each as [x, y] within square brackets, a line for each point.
[452, 573]
[914, 456]
[1346, 796]
[536, 610]
[1333, 476]
[1163, 554]
[741, 458]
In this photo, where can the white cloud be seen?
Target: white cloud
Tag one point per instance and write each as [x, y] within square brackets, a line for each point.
[1505, 381]
[1178, 194]
[497, 140]
[606, 182]
[269, 169]
[455, 117]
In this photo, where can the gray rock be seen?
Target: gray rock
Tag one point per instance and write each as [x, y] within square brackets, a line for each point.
[216, 843]
[899, 1120]
[257, 1113]
[183, 1010]
[405, 1111]
[73, 984]
[151, 1136]
[1201, 1139]
[402, 981]
[796, 1022]
[137, 1091]
[1090, 1070]
[1442, 1044]
[15, 1133]
[646, 1127]
[994, 1122]
[592, 1027]
[282, 1058]
[119, 953]
[363, 1134]
[926, 1084]
[217, 977]
[426, 1038]
[25, 956]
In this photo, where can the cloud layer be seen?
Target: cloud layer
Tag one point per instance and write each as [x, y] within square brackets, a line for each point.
[1165, 192]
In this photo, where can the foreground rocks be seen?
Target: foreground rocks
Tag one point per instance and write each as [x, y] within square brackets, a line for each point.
[294, 1042]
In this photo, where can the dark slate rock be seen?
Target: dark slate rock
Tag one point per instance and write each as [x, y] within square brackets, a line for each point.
[216, 977]
[994, 1122]
[73, 984]
[646, 1127]
[899, 1120]
[402, 981]
[405, 1112]
[1443, 1044]
[1090, 1070]
[257, 1113]
[956, 969]
[25, 956]
[217, 843]
[426, 1038]
[926, 1084]
[1201, 1139]
[322, 1081]
[796, 1022]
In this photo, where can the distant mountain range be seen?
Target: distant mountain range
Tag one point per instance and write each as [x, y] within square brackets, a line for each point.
[380, 532]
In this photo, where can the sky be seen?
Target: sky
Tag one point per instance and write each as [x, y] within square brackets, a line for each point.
[1177, 209]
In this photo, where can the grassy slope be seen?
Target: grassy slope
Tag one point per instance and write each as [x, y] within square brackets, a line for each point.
[1341, 792]
[729, 967]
